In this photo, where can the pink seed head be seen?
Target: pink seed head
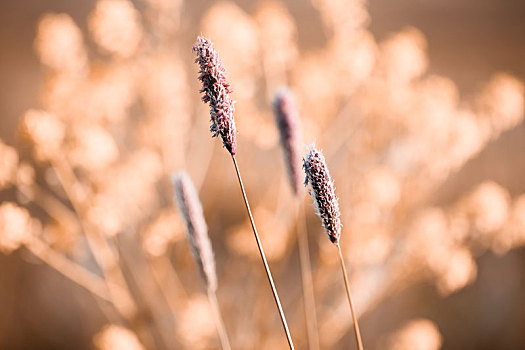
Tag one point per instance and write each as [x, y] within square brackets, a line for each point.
[197, 232]
[217, 92]
[288, 122]
[322, 190]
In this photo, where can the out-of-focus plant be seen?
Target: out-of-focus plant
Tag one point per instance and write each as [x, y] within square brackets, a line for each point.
[118, 113]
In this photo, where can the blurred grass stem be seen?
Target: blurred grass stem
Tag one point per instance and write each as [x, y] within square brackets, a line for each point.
[102, 252]
[306, 278]
[105, 256]
[69, 269]
[221, 329]
[169, 282]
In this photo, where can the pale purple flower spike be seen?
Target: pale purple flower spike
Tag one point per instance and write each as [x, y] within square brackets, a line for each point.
[217, 91]
[288, 122]
[191, 211]
[322, 190]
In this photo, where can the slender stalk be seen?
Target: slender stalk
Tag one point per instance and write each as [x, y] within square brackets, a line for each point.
[61, 213]
[106, 258]
[169, 285]
[102, 252]
[219, 323]
[69, 269]
[306, 278]
[169, 282]
[151, 318]
[349, 295]
[263, 257]
[51, 205]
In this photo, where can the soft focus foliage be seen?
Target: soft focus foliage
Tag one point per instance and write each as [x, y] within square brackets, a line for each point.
[116, 337]
[418, 334]
[16, 227]
[86, 186]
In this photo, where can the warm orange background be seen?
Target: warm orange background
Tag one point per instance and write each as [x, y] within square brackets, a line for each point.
[467, 41]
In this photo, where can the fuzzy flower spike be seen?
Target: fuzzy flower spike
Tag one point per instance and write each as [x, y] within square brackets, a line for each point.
[287, 118]
[322, 190]
[217, 92]
[191, 211]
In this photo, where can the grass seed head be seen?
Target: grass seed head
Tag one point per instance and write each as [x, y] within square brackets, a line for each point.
[322, 190]
[191, 211]
[217, 92]
[287, 118]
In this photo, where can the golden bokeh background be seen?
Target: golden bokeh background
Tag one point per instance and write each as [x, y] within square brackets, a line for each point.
[418, 106]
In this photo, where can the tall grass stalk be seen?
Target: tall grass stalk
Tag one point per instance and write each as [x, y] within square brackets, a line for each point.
[349, 295]
[263, 258]
[169, 282]
[307, 280]
[76, 273]
[217, 93]
[191, 212]
[219, 322]
[288, 123]
[106, 258]
[68, 268]
[322, 190]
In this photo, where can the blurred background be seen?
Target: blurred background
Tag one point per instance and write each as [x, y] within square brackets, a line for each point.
[418, 106]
